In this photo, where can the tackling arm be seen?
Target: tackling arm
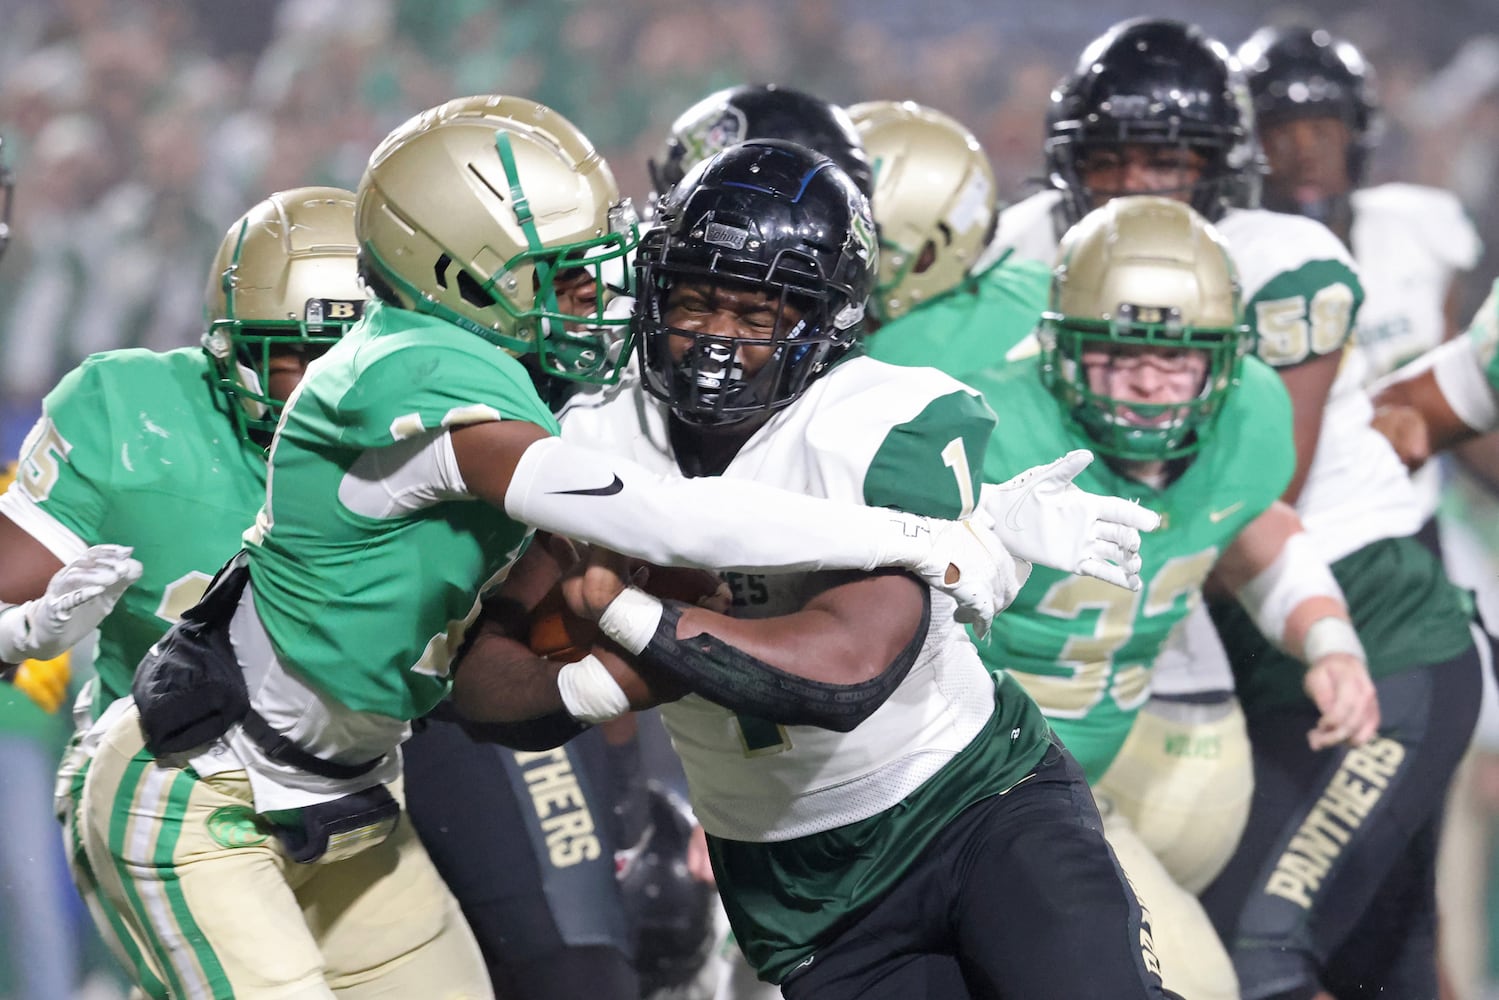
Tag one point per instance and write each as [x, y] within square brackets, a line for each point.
[1447, 391]
[602, 499]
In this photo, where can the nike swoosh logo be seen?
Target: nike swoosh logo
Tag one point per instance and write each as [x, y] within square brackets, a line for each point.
[1218, 515]
[599, 491]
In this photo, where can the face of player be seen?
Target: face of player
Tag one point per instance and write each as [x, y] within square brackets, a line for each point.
[1153, 375]
[576, 291]
[1140, 168]
[285, 368]
[740, 313]
[1308, 160]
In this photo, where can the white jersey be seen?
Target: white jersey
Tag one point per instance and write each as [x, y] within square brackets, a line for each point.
[751, 781]
[1299, 285]
[1410, 242]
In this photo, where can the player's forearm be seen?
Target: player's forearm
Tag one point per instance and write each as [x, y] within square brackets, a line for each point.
[500, 680]
[836, 675]
[1448, 389]
[1304, 618]
[709, 522]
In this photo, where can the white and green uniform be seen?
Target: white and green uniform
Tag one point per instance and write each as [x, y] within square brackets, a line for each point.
[778, 800]
[1410, 242]
[1084, 649]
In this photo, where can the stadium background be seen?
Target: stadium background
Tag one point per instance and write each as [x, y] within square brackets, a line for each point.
[139, 129]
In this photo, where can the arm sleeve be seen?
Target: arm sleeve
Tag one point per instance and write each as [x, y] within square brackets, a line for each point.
[1460, 375]
[716, 523]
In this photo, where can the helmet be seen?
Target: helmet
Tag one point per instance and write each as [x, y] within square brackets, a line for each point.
[286, 275]
[1150, 272]
[934, 201]
[1154, 81]
[771, 216]
[758, 111]
[7, 190]
[471, 210]
[1307, 73]
[670, 912]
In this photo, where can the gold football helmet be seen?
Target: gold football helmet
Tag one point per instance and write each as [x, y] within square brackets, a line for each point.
[1143, 272]
[470, 211]
[934, 201]
[286, 277]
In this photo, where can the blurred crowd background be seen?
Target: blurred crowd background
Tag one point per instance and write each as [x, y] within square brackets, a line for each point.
[139, 129]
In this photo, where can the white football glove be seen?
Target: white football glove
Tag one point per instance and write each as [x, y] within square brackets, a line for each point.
[77, 599]
[986, 576]
[1041, 516]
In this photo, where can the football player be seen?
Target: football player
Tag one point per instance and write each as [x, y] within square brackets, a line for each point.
[757, 111]
[247, 804]
[943, 298]
[1319, 123]
[1143, 360]
[1189, 808]
[867, 788]
[145, 466]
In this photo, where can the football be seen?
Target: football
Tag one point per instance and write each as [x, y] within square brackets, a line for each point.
[560, 635]
[557, 633]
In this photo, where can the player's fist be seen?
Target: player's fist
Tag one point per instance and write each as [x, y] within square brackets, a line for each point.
[78, 597]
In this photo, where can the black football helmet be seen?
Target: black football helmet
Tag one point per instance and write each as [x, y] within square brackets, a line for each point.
[765, 215]
[1155, 81]
[1299, 72]
[7, 189]
[670, 912]
[759, 111]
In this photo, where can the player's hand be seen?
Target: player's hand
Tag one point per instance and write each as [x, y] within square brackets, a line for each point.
[45, 682]
[591, 578]
[1406, 430]
[1043, 518]
[78, 598]
[1340, 686]
[967, 561]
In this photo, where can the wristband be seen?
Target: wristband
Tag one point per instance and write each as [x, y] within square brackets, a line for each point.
[631, 619]
[589, 692]
[1331, 635]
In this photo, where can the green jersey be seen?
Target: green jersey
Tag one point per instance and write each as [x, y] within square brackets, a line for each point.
[972, 327]
[1084, 648]
[136, 448]
[366, 574]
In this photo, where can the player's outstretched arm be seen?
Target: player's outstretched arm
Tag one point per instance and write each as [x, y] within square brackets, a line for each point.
[1043, 517]
[1285, 585]
[720, 523]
